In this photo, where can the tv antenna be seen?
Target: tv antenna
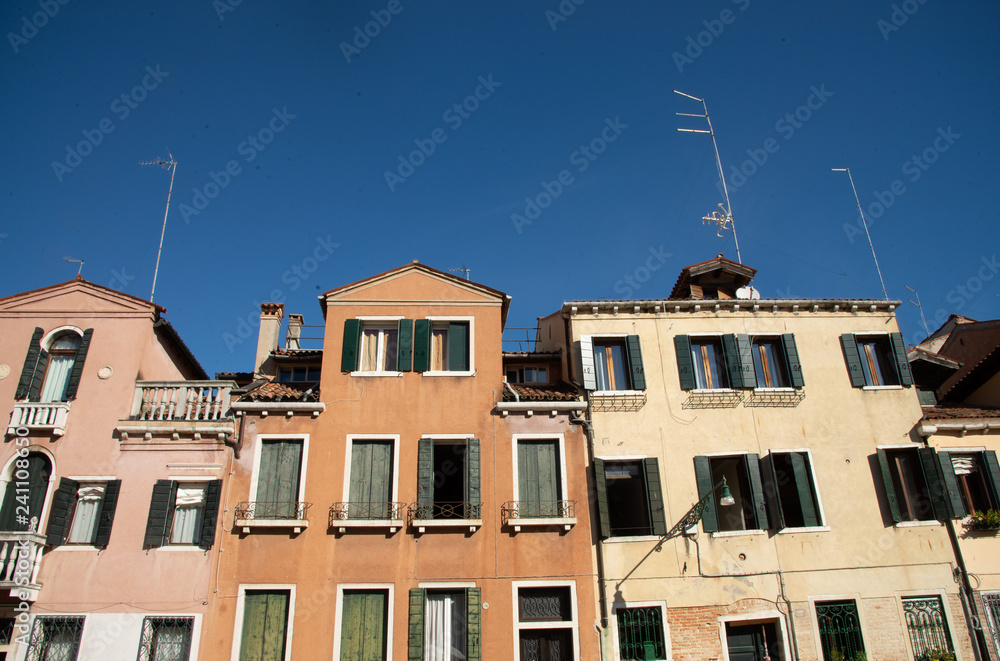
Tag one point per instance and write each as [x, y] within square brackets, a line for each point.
[723, 218]
[919, 307]
[76, 261]
[867, 233]
[167, 164]
[464, 270]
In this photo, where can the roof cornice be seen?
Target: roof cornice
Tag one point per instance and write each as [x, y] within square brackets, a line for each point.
[734, 305]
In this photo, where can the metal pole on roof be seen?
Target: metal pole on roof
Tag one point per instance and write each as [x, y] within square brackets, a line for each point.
[167, 164]
[919, 307]
[865, 223]
[727, 212]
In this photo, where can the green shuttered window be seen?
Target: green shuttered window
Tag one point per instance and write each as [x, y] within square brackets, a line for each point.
[265, 625]
[610, 363]
[182, 522]
[278, 479]
[370, 490]
[448, 479]
[364, 625]
[82, 514]
[539, 482]
[444, 625]
[915, 488]
[53, 375]
[629, 498]
[743, 477]
[876, 360]
[709, 362]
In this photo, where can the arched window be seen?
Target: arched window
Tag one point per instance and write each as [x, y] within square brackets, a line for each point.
[62, 355]
[53, 366]
[27, 487]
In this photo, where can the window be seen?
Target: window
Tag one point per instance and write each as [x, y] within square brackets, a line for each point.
[913, 485]
[790, 483]
[545, 622]
[264, 630]
[7, 649]
[55, 638]
[540, 478]
[53, 366]
[183, 514]
[527, 375]
[926, 624]
[445, 624]
[401, 345]
[371, 487]
[775, 361]
[277, 485]
[629, 498]
[611, 363]
[972, 481]
[712, 362]
[379, 347]
[742, 474]
[991, 604]
[876, 360]
[449, 346]
[365, 625]
[28, 493]
[448, 479]
[299, 374]
[166, 639]
[83, 513]
[839, 629]
[640, 633]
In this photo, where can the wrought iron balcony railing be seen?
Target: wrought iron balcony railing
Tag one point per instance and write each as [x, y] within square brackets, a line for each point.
[444, 511]
[39, 415]
[258, 514]
[20, 560]
[367, 514]
[517, 513]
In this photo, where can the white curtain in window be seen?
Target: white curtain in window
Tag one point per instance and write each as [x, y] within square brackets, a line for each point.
[439, 349]
[187, 514]
[57, 378]
[369, 355]
[88, 503]
[964, 464]
[444, 635]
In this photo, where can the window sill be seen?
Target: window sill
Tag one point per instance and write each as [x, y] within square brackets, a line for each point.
[376, 373]
[295, 524]
[391, 524]
[77, 547]
[881, 387]
[181, 547]
[787, 531]
[566, 523]
[609, 393]
[713, 391]
[782, 389]
[422, 524]
[916, 524]
[447, 373]
[738, 533]
[632, 538]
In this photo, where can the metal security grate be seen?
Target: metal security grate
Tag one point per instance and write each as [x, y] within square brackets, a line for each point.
[55, 639]
[639, 630]
[166, 639]
[991, 604]
[839, 630]
[926, 625]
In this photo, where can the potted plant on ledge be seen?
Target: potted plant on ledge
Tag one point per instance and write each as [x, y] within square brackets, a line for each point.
[988, 520]
[937, 654]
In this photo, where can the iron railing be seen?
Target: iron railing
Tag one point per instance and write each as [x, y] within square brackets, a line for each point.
[438, 510]
[640, 629]
[269, 511]
[537, 509]
[365, 511]
[166, 639]
[926, 625]
[54, 638]
[839, 630]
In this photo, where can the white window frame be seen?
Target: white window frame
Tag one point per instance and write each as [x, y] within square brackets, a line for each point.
[662, 605]
[764, 617]
[862, 620]
[722, 353]
[195, 627]
[297, 524]
[629, 538]
[881, 334]
[392, 524]
[472, 346]
[567, 522]
[189, 480]
[597, 337]
[383, 321]
[573, 624]
[948, 617]
[338, 616]
[473, 524]
[241, 605]
[825, 527]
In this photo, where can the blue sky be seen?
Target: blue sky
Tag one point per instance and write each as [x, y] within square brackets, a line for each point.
[312, 154]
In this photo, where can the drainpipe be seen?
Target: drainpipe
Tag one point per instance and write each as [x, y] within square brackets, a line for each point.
[602, 591]
[981, 648]
[517, 398]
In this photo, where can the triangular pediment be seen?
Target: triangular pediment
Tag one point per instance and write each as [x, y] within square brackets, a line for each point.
[76, 296]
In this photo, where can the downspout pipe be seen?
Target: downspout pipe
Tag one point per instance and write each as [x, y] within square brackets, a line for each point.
[981, 648]
[602, 591]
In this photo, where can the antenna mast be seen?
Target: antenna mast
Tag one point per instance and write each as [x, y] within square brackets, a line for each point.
[919, 307]
[865, 223]
[168, 164]
[76, 261]
[723, 220]
[464, 270]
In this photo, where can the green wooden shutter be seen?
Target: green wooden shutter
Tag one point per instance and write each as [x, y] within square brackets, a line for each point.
[703, 476]
[77, 371]
[744, 347]
[654, 496]
[38, 378]
[899, 358]
[161, 504]
[890, 491]
[39, 471]
[771, 480]
[106, 515]
[935, 487]
[62, 506]
[458, 346]
[853, 358]
[404, 354]
[352, 340]
[425, 478]
[278, 479]
[371, 477]
[792, 360]
[538, 477]
[363, 626]
[635, 363]
[685, 364]
[421, 345]
[213, 496]
[603, 511]
[415, 638]
[950, 482]
[30, 364]
[473, 491]
[585, 360]
[992, 470]
[803, 487]
[473, 624]
[752, 462]
[265, 619]
[733, 369]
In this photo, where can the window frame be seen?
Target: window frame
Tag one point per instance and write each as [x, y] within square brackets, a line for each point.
[192, 642]
[862, 620]
[449, 439]
[710, 520]
[942, 596]
[634, 373]
[52, 484]
[567, 522]
[779, 520]
[521, 370]
[34, 370]
[339, 613]
[240, 612]
[657, 524]
[56, 616]
[472, 592]
[392, 524]
[292, 369]
[207, 521]
[573, 624]
[255, 478]
[187, 482]
[988, 465]
[662, 605]
[765, 616]
[894, 350]
[437, 319]
[82, 481]
[925, 460]
[381, 322]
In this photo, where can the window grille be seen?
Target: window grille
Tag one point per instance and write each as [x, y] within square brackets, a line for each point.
[166, 639]
[639, 629]
[926, 625]
[839, 629]
[991, 604]
[55, 639]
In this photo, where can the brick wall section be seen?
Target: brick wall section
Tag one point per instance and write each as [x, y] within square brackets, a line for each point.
[964, 643]
[694, 633]
[884, 630]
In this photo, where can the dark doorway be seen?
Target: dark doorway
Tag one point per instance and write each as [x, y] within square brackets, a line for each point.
[753, 642]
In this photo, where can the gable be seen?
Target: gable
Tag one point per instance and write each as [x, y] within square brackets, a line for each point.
[414, 286]
[76, 297]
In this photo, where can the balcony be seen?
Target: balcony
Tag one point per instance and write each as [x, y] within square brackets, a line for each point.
[524, 513]
[43, 416]
[272, 515]
[167, 411]
[20, 560]
[360, 514]
[462, 514]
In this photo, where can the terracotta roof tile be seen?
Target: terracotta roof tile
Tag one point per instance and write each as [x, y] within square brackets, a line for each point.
[298, 353]
[959, 412]
[557, 392]
[280, 392]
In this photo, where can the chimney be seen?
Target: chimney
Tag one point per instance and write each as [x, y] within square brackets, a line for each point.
[294, 331]
[267, 338]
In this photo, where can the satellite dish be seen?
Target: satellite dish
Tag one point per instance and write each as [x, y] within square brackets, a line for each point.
[747, 293]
